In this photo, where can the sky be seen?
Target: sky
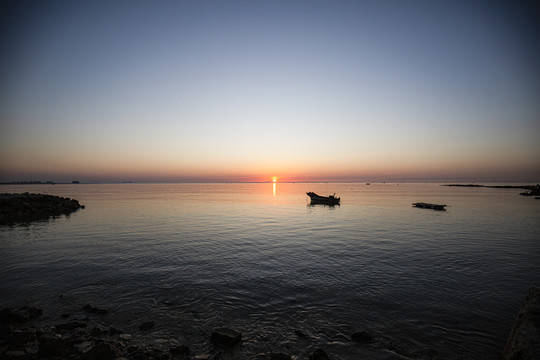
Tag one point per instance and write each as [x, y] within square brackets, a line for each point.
[166, 91]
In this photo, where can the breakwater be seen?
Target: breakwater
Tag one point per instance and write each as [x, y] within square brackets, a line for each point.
[27, 207]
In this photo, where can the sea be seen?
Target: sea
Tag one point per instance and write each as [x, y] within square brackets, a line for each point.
[291, 277]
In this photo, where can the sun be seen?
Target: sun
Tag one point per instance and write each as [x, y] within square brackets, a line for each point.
[274, 178]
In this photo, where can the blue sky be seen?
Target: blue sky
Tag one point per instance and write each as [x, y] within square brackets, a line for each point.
[310, 90]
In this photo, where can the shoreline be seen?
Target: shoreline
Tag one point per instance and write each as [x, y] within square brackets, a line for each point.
[26, 333]
[533, 190]
[29, 333]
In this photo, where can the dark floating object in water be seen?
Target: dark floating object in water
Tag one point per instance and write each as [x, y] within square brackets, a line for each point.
[323, 200]
[429, 206]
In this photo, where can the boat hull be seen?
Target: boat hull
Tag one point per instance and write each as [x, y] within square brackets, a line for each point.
[429, 206]
[323, 200]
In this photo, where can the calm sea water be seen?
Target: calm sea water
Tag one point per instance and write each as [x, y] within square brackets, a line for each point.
[257, 258]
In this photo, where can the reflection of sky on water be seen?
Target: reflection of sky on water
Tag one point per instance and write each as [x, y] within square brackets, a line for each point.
[239, 255]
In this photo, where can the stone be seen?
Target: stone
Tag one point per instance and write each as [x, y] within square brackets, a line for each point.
[300, 334]
[226, 337]
[202, 357]
[103, 351]
[69, 326]
[5, 331]
[319, 354]
[524, 340]
[126, 337]
[51, 346]
[114, 331]
[20, 337]
[362, 337]
[98, 330]
[94, 310]
[83, 347]
[278, 356]
[146, 326]
[24, 314]
[16, 355]
[180, 350]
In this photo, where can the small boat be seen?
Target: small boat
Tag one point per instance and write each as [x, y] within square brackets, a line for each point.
[429, 206]
[324, 200]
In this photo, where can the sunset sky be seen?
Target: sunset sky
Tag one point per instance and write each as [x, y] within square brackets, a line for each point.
[247, 90]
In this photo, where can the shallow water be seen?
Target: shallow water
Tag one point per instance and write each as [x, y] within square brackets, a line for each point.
[256, 257]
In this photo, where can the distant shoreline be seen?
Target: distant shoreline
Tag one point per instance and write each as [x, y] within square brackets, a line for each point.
[525, 187]
[533, 190]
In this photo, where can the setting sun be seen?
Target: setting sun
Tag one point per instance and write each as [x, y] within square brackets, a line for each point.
[274, 178]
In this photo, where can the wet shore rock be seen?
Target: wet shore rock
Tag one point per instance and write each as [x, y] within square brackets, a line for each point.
[524, 340]
[27, 207]
[226, 337]
[77, 338]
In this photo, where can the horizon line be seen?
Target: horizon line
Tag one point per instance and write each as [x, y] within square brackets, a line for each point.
[263, 182]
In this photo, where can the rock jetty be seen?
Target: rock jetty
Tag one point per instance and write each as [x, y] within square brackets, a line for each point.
[27, 207]
[524, 340]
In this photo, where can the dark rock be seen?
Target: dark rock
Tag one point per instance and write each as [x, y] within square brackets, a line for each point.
[5, 331]
[203, 357]
[52, 346]
[79, 317]
[146, 326]
[21, 337]
[524, 340]
[132, 348]
[157, 353]
[103, 351]
[319, 354]
[70, 326]
[65, 315]
[125, 337]
[180, 350]
[226, 337]
[83, 346]
[114, 331]
[16, 355]
[94, 310]
[362, 337]
[300, 334]
[24, 314]
[98, 331]
[278, 356]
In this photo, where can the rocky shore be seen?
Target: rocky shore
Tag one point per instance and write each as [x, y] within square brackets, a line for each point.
[27, 334]
[524, 340]
[27, 207]
[86, 336]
